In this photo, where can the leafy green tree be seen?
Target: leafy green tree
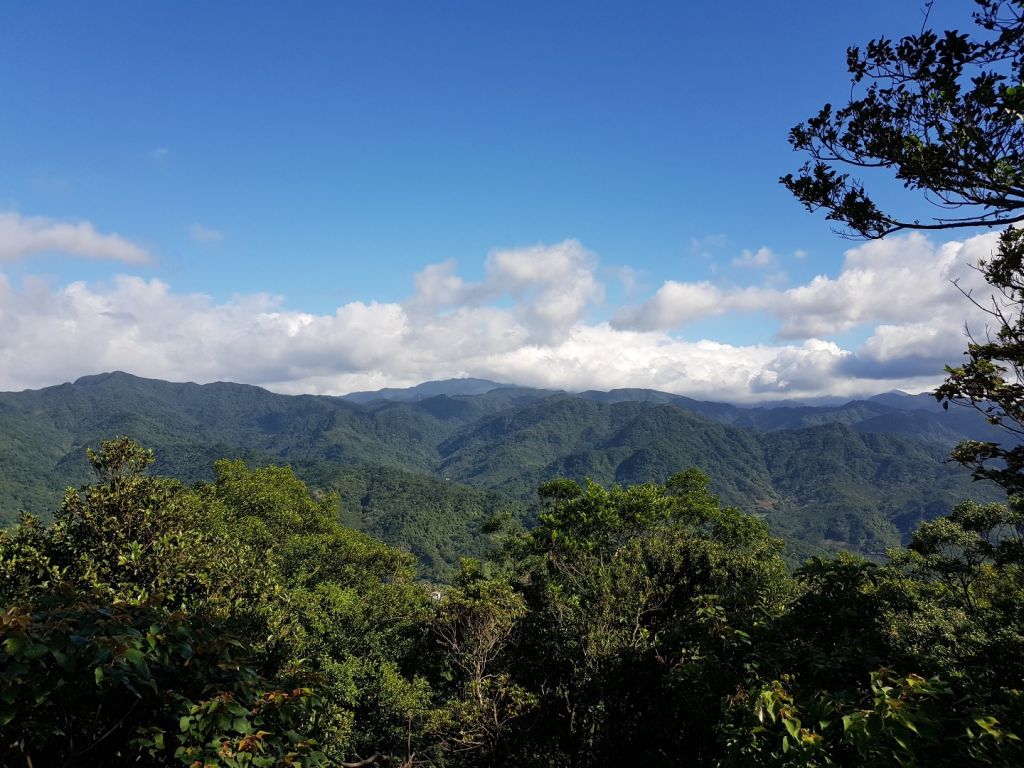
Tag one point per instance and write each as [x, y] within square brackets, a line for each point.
[130, 634]
[474, 628]
[915, 662]
[831, 632]
[963, 577]
[991, 378]
[642, 604]
[352, 615]
[944, 112]
[230, 623]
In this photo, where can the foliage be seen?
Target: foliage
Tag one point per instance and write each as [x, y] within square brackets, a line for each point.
[991, 379]
[89, 682]
[915, 662]
[122, 621]
[430, 476]
[642, 603]
[436, 520]
[945, 113]
[901, 720]
[942, 111]
[233, 623]
[351, 613]
[236, 623]
[474, 628]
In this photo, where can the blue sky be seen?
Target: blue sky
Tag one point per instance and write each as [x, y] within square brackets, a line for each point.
[274, 164]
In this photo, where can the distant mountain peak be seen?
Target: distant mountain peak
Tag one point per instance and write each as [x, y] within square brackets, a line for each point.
[460, 386]
[99, 378]
[891, 393]
[897, 398]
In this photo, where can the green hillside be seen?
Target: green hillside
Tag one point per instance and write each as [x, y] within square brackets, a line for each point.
[436, 520]
[425, 474]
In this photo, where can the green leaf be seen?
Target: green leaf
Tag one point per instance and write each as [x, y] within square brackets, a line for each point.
[792, 726]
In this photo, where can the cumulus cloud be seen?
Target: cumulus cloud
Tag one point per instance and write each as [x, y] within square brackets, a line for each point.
[533, 319]
[24, 236]
[139, 325]
[898, 281]
[552, 285]
[672, 305]
[438, 286]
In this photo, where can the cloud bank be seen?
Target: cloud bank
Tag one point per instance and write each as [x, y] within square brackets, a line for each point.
[534, 319]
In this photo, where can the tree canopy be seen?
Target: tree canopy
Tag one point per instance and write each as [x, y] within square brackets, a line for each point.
[236, 623]
[944, 113]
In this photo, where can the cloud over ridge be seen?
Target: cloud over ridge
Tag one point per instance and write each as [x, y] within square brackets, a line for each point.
[537, 317]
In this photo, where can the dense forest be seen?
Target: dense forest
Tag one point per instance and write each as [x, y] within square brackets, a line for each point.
[237, 622]
[425, 469]
[559, 580]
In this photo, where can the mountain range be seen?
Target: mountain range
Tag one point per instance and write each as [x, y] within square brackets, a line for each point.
[427, 467]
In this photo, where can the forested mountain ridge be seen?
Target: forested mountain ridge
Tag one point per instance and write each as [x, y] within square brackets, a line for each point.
[431, 469]
[428, 389]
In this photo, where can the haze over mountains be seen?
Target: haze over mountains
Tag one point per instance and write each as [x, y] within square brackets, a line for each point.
[426, 467]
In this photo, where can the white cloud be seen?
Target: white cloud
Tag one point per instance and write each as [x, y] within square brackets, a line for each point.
[204, 234]
[761, 258]
[23, 236]
[532, 320]
[552, 285]
[800, 369]
[142, 326]
[672, 305]
[438, 286]
[900, 280]
[894, 281]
